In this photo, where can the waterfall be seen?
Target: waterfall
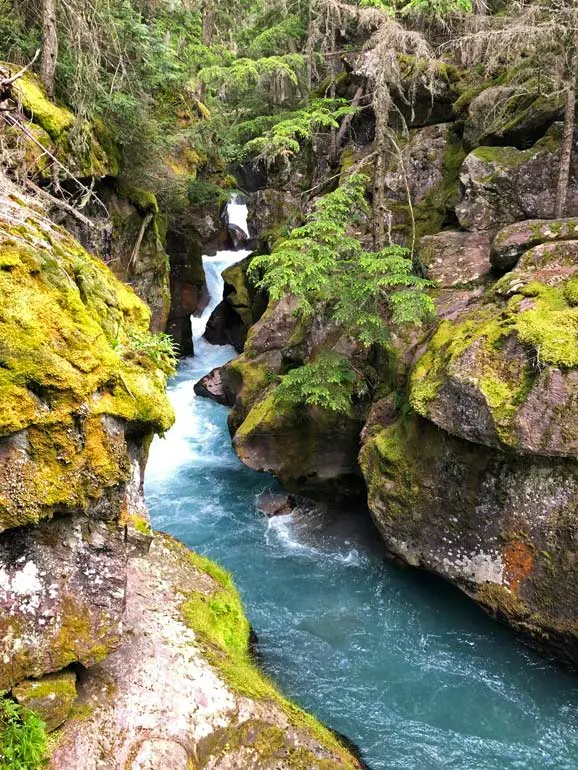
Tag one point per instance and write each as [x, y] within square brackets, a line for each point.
[214, 266]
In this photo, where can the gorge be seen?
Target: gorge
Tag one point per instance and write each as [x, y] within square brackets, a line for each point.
[288, 385]
[397, 661]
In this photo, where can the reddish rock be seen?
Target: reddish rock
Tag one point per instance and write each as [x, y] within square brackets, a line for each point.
[456, 258]
[512, 241]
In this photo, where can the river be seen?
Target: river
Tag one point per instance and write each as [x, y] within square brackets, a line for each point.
[399, 662]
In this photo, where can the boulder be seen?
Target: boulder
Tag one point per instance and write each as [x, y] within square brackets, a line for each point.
[510, 115]
[242, 306]
[505, 372]
[310, 450]
[51, 697]
[213, 386]
[182, 691]
[456, 258]
[513, 240]
[275, 504]
[499, 525]
[428, 172]
[501, 185]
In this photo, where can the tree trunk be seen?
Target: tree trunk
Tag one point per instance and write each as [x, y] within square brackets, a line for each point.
[208, 26]
[381, 106]
[49, 45]
[568, 139]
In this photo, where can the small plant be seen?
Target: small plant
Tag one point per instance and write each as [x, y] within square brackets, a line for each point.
[158, 348]
[22, 738]
[327, 382]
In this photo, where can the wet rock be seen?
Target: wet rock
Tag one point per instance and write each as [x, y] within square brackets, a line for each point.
[512, 241]
[242, 306]
[51, 697]
[456, 258]
[188, 289]
[497, 524]
[166, 700]
[309, 450]
[237, 236]
[272, 504]
[501, 185]
[213, 386]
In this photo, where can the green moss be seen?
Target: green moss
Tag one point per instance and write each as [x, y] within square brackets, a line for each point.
[54, 120]
[540, 317]
[144, 200]
[66, 325]
[571, 292]
[218, 619]
[386, 465]
[264, 412]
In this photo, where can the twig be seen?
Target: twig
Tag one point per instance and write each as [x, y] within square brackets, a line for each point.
[8, 81]
[15, 122]
[59, 203]
[145, 223]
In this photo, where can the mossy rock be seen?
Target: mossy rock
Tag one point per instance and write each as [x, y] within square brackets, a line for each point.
[501, 185]
[84, 149]
[506, 374]
[51, 697]
[515, 239]
[69, 360]
[498, 525]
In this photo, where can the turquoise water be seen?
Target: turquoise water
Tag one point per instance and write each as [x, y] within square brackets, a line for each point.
[399, 662]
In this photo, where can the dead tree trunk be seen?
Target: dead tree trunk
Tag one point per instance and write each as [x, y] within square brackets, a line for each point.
[568, 138]
[381, 106]
[49, 45]
[209, 26]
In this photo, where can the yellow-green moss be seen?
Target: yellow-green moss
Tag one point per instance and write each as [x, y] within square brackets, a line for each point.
[539, 316]
[30, 93]
[218, 619]
[66, 331]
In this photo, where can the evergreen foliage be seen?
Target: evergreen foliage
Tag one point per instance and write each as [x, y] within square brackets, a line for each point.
[322, 263]
[22, 738]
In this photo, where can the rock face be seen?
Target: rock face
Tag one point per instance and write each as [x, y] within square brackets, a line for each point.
[501, 185]
[188, 289]
[242, 306]
[81, 401]
[308, 450]
[182, 691]
[479, 483]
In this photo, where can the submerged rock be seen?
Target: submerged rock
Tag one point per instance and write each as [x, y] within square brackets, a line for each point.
[276, 504]
[182, 691]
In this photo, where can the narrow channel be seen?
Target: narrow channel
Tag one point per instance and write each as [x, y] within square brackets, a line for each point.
[400, 663]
